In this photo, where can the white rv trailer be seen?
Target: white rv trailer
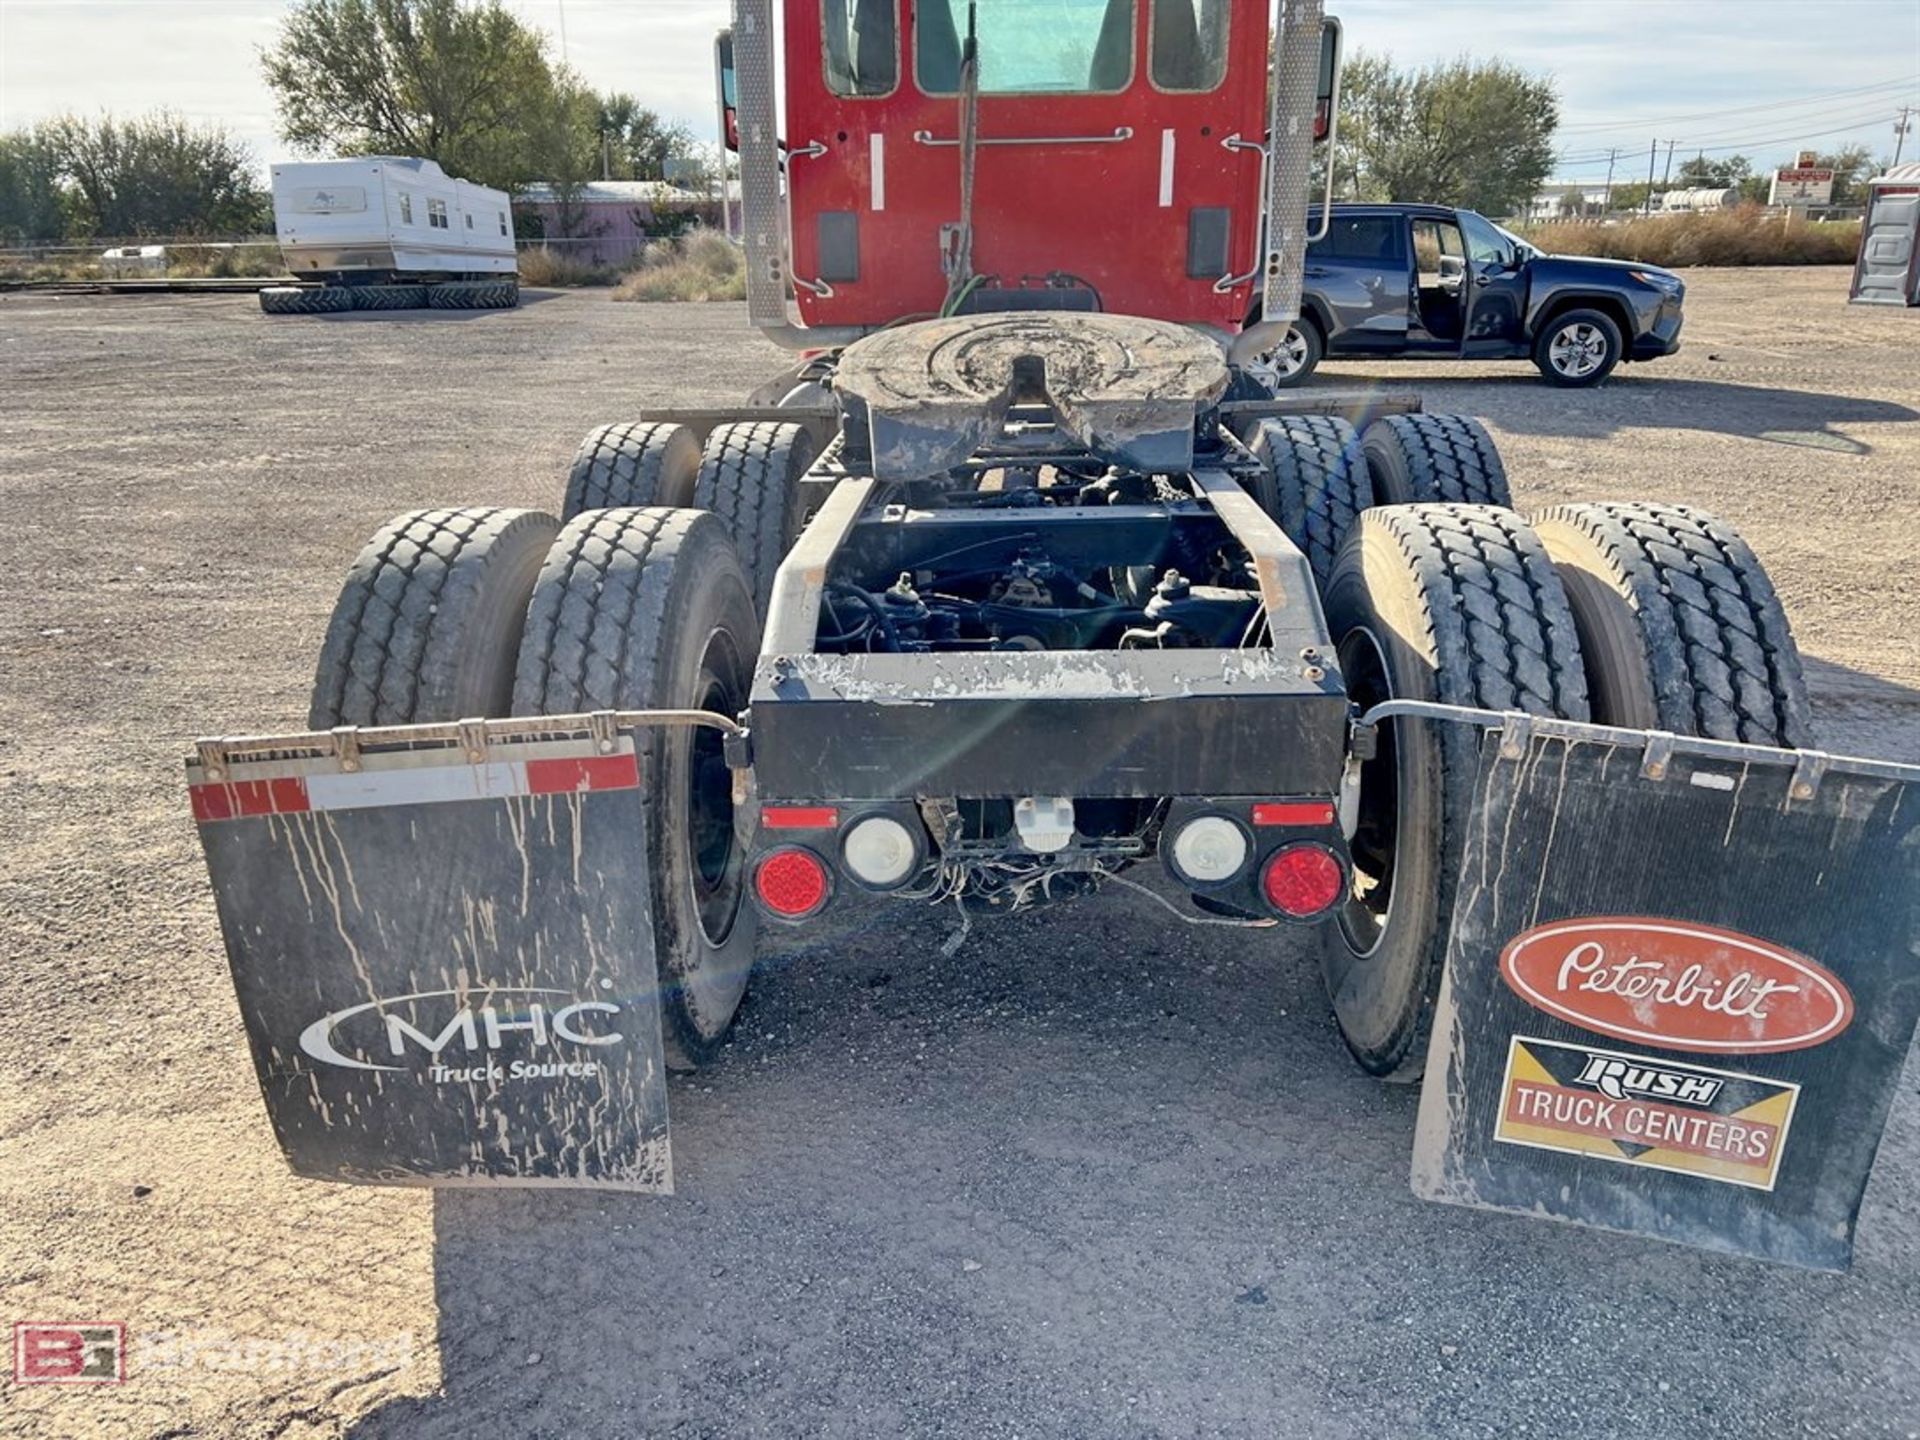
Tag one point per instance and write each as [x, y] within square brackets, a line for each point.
[385, 232]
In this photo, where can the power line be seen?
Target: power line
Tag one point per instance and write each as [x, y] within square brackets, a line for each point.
[1757, 135]
[1653, 122]
[1725, 143]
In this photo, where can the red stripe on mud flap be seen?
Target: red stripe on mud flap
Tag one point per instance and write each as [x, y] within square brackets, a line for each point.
[236, 799]
[590, 772]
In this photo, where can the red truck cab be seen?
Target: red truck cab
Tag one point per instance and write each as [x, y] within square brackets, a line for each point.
[1118, 164]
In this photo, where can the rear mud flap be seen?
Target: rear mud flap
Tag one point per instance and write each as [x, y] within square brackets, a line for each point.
[1681, 984]
[443, 953]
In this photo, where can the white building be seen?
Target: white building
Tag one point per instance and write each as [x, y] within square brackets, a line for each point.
[1567, 197]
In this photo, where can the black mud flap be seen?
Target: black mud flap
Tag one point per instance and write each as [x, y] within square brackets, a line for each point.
[1682, 981]
[443, 951]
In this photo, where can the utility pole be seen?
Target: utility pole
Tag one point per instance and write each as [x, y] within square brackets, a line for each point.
[1606, 201]
[1900, 129]
[1667, 178]
[1653, 156]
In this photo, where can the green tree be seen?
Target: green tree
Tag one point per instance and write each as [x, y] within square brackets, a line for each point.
[1632, 195]
[466, 85]
[155, 174]
[639, 143]
[33, 201]
[1701, 173]
[1852, 167]
[1477, 133]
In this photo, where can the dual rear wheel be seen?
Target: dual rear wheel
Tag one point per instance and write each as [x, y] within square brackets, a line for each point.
[1645, 616]
[454, 614]
[646, 595]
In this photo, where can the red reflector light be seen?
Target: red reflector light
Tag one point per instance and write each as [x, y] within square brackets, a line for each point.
[799, 817]
[1302, 880]
[792, 882]
[1293, 812]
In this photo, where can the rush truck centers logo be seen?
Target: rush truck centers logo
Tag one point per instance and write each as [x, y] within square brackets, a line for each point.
[1639, 1110]
[1676, 985]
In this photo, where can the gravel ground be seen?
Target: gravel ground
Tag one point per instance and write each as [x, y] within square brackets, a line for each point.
[1092, 1177]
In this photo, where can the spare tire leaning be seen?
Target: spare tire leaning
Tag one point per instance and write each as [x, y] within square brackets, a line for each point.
[1679, 625]
[427, 626]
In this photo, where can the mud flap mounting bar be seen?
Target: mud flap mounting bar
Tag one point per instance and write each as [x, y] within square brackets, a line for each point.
[1682, 978]
[1659, 746]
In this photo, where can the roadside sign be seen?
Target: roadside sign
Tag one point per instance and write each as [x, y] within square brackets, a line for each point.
[1802, 186]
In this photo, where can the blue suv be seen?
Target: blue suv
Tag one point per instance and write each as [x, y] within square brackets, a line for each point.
[1432, 282]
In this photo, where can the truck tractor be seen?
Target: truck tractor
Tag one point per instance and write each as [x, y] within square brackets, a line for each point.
[1017, 587]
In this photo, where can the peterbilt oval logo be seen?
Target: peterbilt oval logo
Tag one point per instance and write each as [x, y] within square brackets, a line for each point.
[1676, 985]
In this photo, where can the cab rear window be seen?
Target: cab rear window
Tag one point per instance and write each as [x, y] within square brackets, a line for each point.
[1028, 47]
[1189, 44]
[862, 43]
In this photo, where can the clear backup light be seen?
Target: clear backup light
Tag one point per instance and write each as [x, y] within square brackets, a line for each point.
[879, 851]
[1210, 849]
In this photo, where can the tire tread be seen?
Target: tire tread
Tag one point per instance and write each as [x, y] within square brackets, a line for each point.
[1448, 459]
[1721, 653]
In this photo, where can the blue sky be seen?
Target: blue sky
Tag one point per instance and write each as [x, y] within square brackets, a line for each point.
[1759, 76]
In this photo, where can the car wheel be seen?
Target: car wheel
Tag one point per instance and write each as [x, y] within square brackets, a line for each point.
[1292, 360]
[1578, 348]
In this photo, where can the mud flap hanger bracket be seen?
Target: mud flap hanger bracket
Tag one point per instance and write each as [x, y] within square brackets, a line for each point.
[347, 743]
[1658, 747]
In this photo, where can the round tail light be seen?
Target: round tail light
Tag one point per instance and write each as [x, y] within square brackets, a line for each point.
[792, 882]
[1303, 880]
[1209, 849]
[879, 852]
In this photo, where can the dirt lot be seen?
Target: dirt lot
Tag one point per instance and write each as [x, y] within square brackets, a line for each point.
[1089, 1177]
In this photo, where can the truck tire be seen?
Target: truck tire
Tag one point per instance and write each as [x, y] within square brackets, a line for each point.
[1315, 484]
[642, 609]
[749, 477]
[427, 626]
[388, 297]
[1434, 460]
[619, 466]
[306, 299]
[1679, 625]
[474, 295]
[1459, 604]
[1578, 348]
